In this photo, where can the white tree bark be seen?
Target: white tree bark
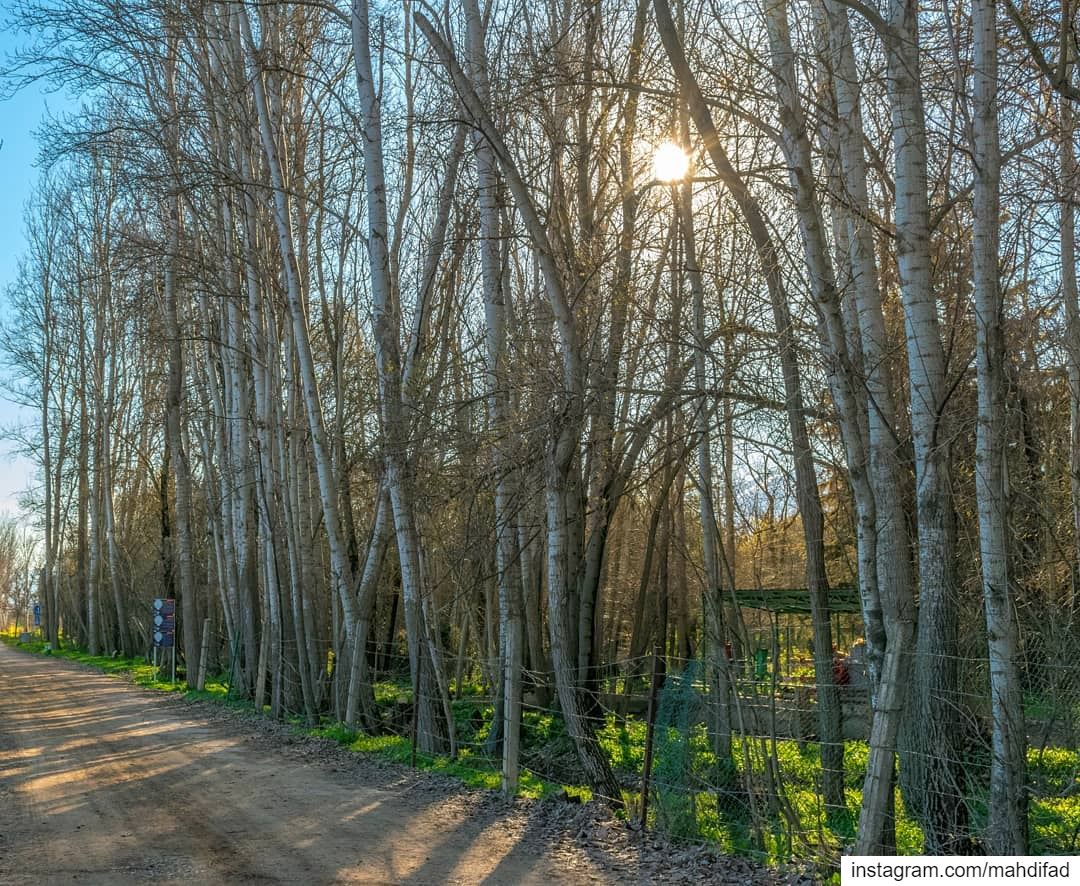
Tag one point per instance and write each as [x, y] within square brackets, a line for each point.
[1007, 828]
[339, 564]
[931, 773]
[507, 556]
[889, 616]
[424, 656]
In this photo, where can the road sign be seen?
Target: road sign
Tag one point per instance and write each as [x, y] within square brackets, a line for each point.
[163, 630]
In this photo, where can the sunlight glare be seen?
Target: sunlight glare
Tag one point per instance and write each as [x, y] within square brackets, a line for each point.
[670, 162]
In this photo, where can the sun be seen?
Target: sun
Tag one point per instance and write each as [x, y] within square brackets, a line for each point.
[670, 162]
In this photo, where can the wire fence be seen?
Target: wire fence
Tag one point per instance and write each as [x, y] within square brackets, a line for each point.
[741, 768]
[758, 789]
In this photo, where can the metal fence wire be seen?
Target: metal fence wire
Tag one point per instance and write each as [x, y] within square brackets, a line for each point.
[764, 796]
[756, 787]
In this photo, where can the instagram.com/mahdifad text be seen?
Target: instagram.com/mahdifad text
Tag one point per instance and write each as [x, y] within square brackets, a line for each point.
[863, 870]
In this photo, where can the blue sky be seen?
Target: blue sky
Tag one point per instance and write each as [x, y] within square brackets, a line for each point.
[19, 117]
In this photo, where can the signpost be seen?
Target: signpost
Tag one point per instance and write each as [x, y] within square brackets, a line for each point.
[163, 629]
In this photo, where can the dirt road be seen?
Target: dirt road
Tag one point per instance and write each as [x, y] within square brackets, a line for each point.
[103, 782]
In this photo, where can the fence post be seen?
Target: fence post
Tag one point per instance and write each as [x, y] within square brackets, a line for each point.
[650, 718]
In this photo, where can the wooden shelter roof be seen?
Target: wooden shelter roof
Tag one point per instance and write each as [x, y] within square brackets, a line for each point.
[796, 601]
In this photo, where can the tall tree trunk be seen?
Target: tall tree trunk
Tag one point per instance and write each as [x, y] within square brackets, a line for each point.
[931, 774]
[888, 605]
[295, 301]
[174, 385]
[1007, 828]
[1071, 298]
[507, 555]
[832, 333]
[720, 677]
[425, 659]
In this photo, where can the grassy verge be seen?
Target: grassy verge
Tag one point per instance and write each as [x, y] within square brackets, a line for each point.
[472, 769]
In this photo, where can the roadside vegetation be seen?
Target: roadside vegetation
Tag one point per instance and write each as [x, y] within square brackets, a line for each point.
[678, 809]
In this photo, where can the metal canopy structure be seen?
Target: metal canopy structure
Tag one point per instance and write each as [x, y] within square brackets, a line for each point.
[796, 601]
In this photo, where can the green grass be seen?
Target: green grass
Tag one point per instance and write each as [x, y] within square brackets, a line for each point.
[1053, 775]
[624, 743]
[472, 770]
